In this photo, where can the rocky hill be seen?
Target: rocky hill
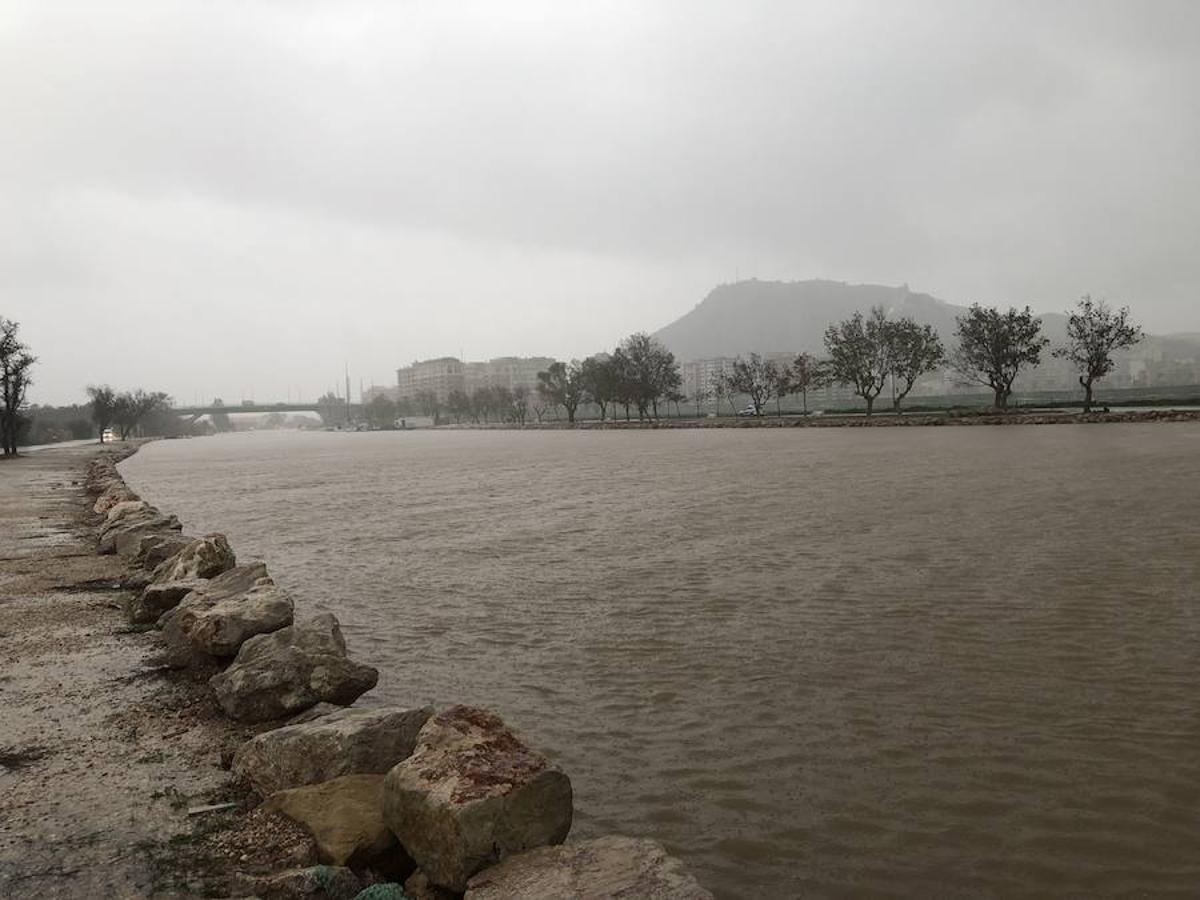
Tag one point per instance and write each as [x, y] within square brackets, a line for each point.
[766, 316]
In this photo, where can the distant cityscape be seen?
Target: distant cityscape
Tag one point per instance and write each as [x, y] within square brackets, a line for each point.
[1148, 366]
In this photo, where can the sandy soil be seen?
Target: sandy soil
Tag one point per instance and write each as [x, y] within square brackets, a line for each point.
[101, 754]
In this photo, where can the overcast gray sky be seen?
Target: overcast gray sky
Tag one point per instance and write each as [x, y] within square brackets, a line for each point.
[234, 199]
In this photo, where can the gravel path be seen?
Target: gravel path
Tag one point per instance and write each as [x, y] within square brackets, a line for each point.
[100, 754]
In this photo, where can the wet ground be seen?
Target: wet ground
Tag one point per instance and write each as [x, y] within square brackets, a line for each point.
[100, 756]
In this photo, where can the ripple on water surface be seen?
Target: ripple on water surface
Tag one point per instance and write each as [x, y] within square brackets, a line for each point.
[836, 662]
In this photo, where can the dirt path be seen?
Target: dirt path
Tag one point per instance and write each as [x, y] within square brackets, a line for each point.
[100, 756]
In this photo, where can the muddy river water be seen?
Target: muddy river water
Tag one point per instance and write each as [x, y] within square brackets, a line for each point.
[814, 662]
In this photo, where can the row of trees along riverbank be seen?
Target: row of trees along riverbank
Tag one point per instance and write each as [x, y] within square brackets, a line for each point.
[128, 413]
[865, 352]
[993, 347]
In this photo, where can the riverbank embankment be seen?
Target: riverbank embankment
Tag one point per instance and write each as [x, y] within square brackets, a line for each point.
[101, 756]
[178, 727]
[950, 418]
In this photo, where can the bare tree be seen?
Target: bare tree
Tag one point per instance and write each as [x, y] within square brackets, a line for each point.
[994, 346]
[330, 407]
[912, 350]
[807, 373]
[599, 377]
[858, 354]
[781, 385]
[1094, 333]
[520, 404]
[755, 377]
[649, 371]
[103, 399]
[16, 363]
[720, 390]
[131, 408]
[501, 400]
[540, 404]
[625, 388]
[481, 403]
[458, 404]
[562, 385]
[381, 412]
[429, 405]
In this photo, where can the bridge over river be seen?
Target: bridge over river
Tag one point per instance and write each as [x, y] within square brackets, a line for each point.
[192, 413]
[256, 409]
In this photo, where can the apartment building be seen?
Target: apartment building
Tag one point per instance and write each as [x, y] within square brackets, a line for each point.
[446, 374]
[441, 376]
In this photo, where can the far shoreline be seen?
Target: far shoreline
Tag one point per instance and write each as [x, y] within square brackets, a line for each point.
[887, 419]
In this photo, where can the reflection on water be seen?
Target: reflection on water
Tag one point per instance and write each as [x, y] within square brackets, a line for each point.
[923, 662]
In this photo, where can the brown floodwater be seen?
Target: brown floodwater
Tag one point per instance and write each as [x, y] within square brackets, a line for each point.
[814, 662]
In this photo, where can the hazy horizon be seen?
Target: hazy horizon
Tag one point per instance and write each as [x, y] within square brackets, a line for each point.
[236, 201]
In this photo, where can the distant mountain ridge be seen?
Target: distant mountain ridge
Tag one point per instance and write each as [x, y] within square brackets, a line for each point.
[765, 316]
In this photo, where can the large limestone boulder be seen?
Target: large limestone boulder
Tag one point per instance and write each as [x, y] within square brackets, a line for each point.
[345, 818]
[155, 600]
[599, 869]
[127, 522]
[345, 742]
[199, 560]
[113, 493]
[128, 539]
[125, 509]
[203, 558]
[158, 548]
[220, 615]
[472, 794]
[279, 674]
